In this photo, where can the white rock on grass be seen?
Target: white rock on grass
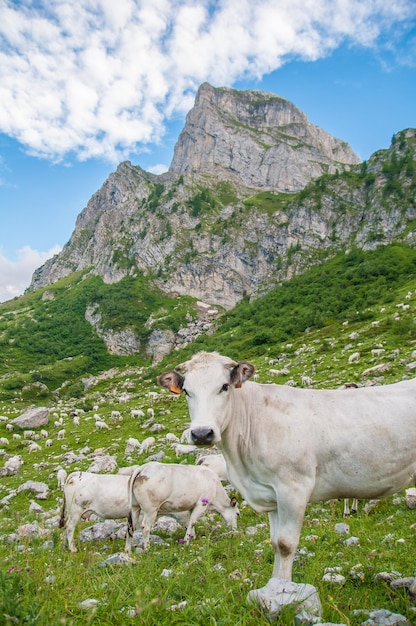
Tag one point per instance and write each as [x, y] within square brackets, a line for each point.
[382, 617]
[89, 603]
[278, 593]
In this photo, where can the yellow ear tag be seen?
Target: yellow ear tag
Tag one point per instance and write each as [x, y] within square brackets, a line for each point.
[174, 389]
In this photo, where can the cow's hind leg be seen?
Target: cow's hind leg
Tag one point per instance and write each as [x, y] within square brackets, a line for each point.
[148, 521]
[74, 515]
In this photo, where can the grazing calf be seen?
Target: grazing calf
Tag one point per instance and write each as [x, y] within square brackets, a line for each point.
[105, 495]
[169, 487]
[285, 447]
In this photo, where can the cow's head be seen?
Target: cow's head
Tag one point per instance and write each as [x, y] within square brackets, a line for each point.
[209, 381]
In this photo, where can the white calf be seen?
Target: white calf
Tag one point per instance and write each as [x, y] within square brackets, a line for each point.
[169, 487]
[105, 495]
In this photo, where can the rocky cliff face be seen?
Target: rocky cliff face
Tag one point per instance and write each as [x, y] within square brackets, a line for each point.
[241, 206]
[256, 139]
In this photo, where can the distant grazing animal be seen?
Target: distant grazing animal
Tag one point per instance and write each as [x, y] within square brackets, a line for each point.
[286, 446]
[146, 444]
[184, 448]
[105, 495]
[216, 463]
[354, 357]
[169, 487]
[61, 476]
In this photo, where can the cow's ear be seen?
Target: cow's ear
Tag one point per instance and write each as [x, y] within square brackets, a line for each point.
[173, 381]
[240, 373]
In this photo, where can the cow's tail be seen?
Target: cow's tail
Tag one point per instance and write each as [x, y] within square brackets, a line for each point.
[132, 501]
[62, 519]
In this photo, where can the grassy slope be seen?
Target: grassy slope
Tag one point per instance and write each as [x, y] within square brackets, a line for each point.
[386, 533]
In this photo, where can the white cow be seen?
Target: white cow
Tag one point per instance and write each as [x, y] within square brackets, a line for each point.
[288, 446]
[170, 487]
[106, 495]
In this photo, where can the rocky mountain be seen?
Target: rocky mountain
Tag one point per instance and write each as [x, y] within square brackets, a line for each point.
[254, 194]
[255, 139]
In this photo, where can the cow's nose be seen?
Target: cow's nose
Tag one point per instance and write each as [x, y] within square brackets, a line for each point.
[202, 436]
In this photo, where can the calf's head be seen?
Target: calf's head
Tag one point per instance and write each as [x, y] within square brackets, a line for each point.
[209, 381]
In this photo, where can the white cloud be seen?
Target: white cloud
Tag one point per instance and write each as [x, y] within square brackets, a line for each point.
[15, 276]
[100, 78]
[158, 169]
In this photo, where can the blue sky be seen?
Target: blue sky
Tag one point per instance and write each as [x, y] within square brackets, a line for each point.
[86, 84]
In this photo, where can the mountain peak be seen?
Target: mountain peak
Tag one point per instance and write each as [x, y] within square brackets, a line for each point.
[257, 139]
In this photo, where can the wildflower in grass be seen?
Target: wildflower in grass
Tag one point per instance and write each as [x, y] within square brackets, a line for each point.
[204, 500]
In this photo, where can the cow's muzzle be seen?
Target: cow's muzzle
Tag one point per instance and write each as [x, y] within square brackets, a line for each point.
[202, 436]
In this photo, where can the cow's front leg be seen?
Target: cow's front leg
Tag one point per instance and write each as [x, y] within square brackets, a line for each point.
[285, 527]
[197, 512]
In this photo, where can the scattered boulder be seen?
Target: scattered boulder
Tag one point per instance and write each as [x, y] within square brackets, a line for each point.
[100, 531]
[119, 558]
[12, 466]
[382, 617]
[104, 463]
[278, 593]
[411, 498]
[39, 488]
[32, 418]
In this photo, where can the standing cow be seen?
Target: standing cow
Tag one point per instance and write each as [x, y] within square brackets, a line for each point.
[285, 447]
[105, 495]
[166, 488]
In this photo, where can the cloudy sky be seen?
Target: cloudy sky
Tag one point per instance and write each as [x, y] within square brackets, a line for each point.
[85, 84]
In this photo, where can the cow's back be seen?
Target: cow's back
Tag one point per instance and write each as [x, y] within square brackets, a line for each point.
[173, 487]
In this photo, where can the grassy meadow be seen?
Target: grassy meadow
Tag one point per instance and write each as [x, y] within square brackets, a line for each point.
[207, 582]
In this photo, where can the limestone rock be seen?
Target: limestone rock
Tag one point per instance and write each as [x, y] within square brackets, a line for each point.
[32, 418]
[257, 139]
[278, 593]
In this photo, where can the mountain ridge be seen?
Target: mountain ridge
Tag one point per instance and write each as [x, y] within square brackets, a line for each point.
[198, 232]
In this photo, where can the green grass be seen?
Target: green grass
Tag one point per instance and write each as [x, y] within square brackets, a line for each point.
[212, 575]
[356, 297]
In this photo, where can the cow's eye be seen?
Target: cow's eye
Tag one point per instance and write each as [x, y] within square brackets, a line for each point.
[225, 387]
